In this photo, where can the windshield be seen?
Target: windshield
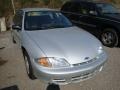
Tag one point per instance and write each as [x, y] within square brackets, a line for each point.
[107, 8]
[39, 20]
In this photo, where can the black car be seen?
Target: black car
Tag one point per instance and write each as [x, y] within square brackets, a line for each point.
[100, 19]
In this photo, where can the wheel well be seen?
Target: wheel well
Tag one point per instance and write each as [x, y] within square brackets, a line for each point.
[112, 27]
[23, 49]
[31, 75]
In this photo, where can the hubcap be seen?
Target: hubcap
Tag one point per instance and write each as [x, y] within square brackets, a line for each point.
[27, 64]
[108, 38]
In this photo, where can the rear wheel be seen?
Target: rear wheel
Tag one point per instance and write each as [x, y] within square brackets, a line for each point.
[28, 66]
[109, 37]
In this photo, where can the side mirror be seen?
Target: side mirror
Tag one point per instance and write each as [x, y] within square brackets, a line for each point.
[16, 27]
[93, 13]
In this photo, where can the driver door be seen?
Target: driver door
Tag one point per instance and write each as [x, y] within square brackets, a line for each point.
[17, 22]
[88, 19]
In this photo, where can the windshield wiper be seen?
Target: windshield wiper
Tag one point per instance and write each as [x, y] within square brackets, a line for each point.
[51, 26]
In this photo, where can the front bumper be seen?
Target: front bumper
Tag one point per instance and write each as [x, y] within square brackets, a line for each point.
[70, 74]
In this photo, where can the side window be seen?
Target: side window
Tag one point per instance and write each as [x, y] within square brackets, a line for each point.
[66, 7]
[17, 20]
[83, 9]
[86, 8]
[75, 7]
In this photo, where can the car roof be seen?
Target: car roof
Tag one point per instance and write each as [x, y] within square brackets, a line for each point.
[38, 9]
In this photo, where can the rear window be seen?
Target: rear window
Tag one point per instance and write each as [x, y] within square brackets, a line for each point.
[66, 6]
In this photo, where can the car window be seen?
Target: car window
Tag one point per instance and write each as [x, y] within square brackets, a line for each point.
[67, 7]
[107, 8]
[85, 8]
[17, 20]
[75, 7]
[41, 20]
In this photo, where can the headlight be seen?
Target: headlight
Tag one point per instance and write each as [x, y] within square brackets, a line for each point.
[100, 50]
[52, 62]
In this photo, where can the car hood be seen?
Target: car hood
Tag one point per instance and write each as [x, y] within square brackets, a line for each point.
[71, 43]
[113, 16]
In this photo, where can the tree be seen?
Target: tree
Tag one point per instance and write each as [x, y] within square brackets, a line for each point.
[46, 2]
[5, 5]
[24, 2]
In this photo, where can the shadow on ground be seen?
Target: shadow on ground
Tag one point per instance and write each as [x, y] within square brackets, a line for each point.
[2, 48]
[53, 87]
[15, 87]
[2, 62]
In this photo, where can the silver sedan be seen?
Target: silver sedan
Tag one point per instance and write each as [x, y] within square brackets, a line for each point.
[54, 50]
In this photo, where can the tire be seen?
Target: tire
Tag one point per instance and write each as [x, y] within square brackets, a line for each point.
[109, 37]
[28, 66]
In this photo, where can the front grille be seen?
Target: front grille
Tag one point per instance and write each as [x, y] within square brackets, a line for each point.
[82, 77]
[73, 79]
[77, 78]
[60, 81]
[90, 61]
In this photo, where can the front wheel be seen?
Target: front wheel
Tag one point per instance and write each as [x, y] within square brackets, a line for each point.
[13, 40]
[109, 37]
[28, 66]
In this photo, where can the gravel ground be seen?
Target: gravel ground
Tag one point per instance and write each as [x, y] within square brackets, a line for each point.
[13, 72]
